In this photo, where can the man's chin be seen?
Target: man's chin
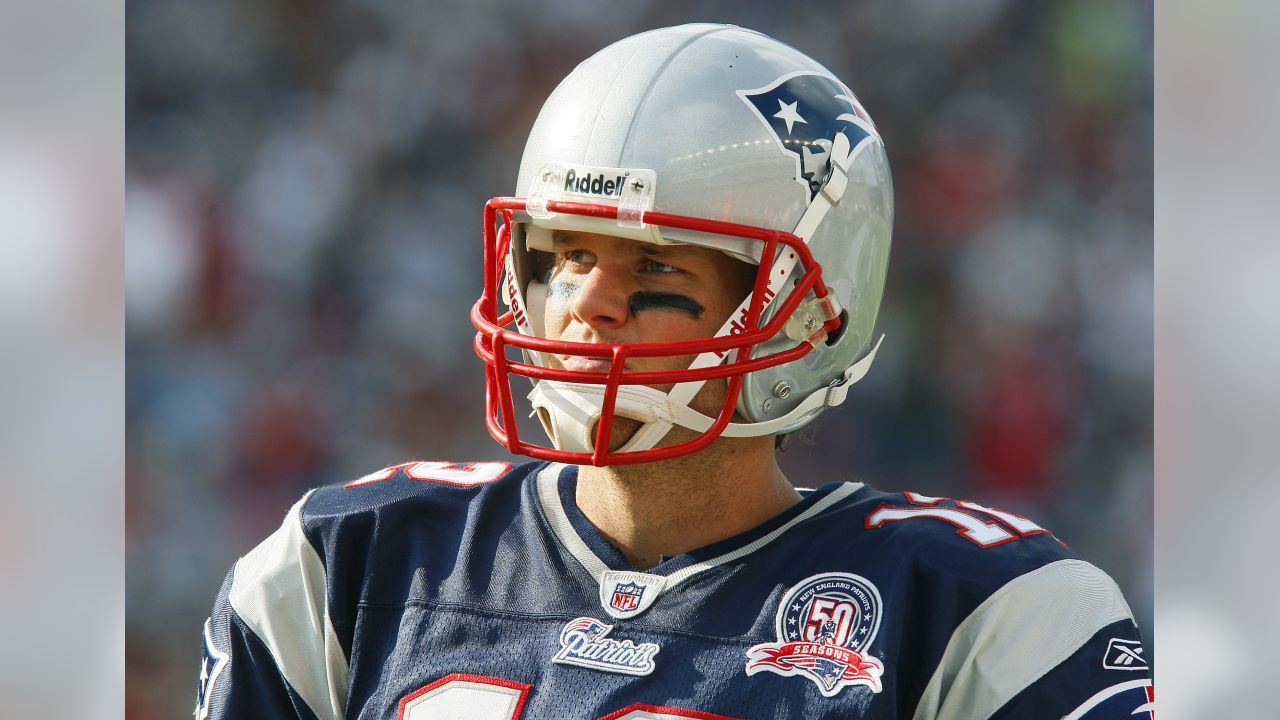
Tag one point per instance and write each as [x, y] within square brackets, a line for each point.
[624, 429]
[621, 433]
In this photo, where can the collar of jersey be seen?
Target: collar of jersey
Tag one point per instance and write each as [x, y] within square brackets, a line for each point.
[557, 486]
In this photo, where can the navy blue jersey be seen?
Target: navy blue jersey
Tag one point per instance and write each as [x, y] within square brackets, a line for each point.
[436, 590]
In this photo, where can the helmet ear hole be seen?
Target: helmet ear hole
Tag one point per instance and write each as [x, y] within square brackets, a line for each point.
[834, 336]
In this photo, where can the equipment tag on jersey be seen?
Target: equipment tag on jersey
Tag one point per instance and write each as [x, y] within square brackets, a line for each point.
[627, 594]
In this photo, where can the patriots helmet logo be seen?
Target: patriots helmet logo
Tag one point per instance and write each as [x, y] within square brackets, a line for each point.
[804, 112]
[212, 662]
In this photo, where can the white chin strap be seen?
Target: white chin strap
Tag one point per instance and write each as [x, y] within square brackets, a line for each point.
[573, 410]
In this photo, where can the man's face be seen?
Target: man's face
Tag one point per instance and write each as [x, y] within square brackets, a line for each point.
[604, 289]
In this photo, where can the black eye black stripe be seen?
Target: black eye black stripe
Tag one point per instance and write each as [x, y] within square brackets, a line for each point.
[638, 302]
[665, 301]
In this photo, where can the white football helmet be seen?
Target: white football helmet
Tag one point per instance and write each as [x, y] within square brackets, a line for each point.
[710, 135]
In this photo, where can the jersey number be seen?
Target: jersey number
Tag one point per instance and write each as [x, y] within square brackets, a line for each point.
[1003, 527]
[449, 473]
[477, 697]
[465, 696]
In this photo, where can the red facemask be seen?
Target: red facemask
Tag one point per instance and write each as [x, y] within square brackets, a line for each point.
[781, 253]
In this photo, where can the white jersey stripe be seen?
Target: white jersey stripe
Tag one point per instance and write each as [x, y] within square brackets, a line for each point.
[836, 496]
[549, 495]
[278, 590]
[1022, 631]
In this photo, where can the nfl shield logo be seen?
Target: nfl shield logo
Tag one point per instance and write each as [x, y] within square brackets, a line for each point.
[625, 593]
[626, 596]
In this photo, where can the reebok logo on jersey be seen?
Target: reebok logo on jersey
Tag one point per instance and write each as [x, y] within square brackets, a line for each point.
[1124, 655]
[583, 642]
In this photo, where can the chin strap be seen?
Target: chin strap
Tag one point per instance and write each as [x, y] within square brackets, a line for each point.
[574, 409]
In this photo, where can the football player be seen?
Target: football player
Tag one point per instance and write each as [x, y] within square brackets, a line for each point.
[689, 270]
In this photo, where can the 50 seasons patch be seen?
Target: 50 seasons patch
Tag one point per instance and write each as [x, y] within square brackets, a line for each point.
[825, 625]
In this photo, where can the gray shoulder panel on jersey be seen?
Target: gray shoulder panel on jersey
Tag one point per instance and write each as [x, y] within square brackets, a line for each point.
[1022, 631]
[278, 590]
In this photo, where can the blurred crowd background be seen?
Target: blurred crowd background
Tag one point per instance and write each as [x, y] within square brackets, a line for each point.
[304, 190]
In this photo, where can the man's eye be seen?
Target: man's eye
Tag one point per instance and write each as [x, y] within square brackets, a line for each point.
[577, 258]
[654, 266]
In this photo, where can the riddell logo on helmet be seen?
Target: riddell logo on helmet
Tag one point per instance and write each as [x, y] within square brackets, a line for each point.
[739, 324]
[590, 183]
[513, 299]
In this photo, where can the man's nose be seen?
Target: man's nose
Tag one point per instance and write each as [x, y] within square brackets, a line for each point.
[603, 298]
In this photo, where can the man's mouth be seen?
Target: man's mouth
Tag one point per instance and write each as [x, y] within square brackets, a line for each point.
[580, 363]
